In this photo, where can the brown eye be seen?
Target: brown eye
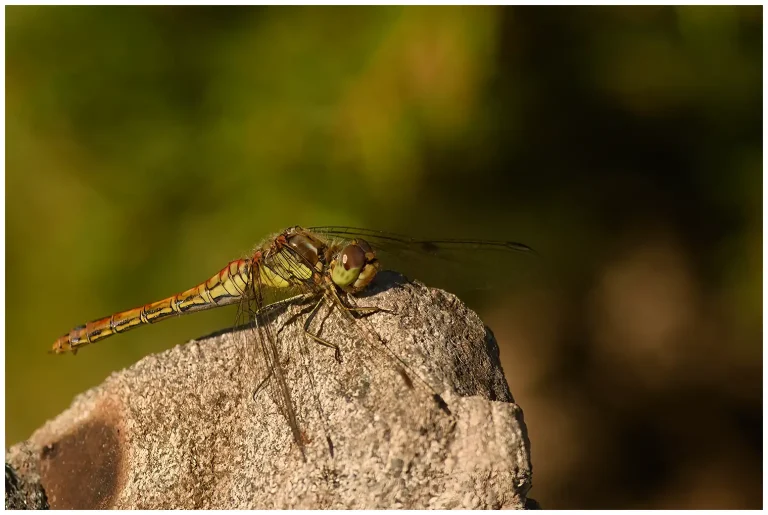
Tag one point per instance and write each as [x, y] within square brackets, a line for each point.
[304, 248]
[353, 257]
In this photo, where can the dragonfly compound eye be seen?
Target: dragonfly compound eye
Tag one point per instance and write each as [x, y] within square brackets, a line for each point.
[355, 267]
[366, 247]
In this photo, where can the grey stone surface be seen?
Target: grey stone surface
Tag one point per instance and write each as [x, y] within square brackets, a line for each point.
[182, 429]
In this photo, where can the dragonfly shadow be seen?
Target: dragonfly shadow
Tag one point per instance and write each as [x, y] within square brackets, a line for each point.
[220, 332]
[384, 280]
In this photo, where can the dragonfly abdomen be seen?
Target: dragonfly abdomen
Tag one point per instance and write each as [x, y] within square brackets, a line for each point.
[224, 288]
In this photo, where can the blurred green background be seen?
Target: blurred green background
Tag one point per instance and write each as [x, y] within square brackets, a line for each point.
[148, 146]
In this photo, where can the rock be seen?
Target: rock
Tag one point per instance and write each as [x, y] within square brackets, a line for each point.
[189, 428]
[23, 492]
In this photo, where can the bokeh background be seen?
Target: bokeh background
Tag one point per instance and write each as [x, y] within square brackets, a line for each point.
[148, 146]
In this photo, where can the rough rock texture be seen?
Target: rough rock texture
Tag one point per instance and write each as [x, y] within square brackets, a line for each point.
[184, 428]
[23, 492]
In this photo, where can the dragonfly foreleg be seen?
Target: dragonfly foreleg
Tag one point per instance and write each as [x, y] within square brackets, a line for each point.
[317, 338]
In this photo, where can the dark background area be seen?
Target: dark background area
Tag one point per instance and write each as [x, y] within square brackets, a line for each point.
[148, 146]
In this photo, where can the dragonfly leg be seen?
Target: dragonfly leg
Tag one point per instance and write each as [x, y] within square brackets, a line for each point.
[294, 317]
[317, 338]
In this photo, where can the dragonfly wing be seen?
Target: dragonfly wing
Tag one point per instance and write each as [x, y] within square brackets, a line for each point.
[280, 278]
[262, 353]
[454, 264]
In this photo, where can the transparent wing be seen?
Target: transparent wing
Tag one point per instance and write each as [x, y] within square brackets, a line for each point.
[457, 265]
[429, 246]
[265, 358]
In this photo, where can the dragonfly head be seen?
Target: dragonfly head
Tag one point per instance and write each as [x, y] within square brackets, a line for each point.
[354, 267]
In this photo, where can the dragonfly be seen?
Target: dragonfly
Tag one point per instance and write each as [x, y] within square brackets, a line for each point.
[316, 266]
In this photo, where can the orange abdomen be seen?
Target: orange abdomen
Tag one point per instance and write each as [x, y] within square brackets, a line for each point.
[226, 287]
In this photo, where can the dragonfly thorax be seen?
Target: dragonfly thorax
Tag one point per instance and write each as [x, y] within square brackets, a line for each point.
[306, 248]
